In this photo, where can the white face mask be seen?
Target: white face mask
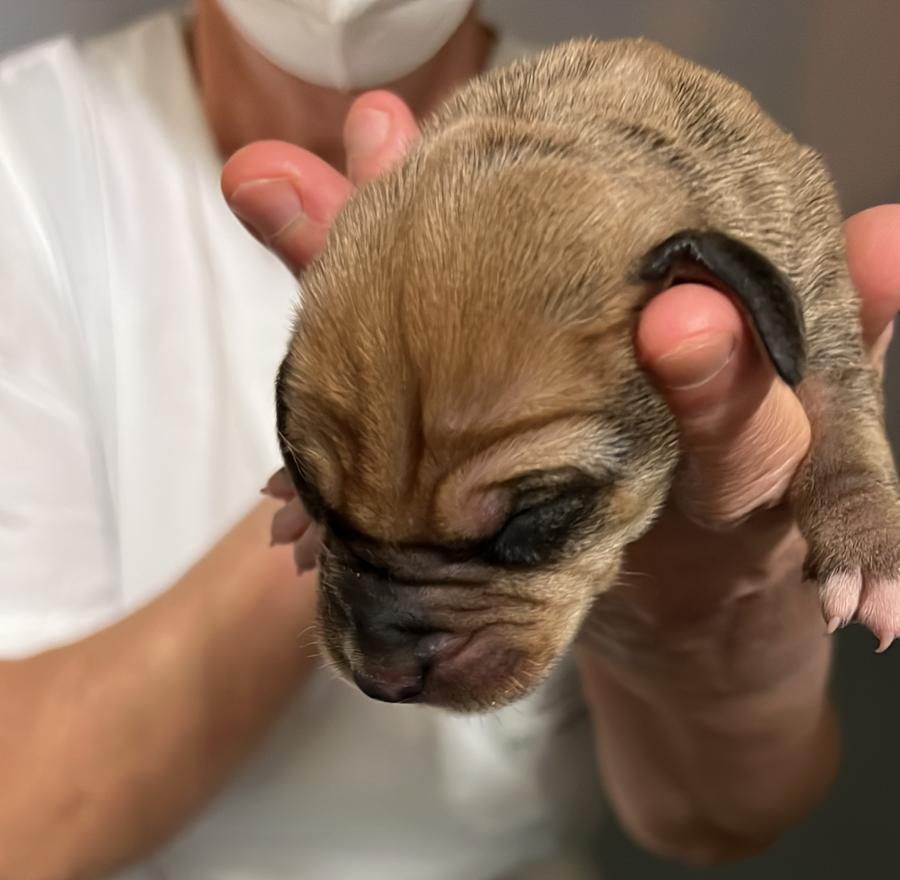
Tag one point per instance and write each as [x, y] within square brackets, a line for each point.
[347, 44]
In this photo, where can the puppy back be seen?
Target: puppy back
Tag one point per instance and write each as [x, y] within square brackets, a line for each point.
[699, 141]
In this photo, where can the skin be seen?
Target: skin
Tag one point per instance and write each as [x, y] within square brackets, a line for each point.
[106, 743]
[704, 761]
[105, 796]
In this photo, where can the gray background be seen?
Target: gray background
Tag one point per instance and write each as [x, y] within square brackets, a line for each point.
[830, 71]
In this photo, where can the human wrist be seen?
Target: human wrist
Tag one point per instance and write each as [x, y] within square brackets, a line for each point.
[736, 611]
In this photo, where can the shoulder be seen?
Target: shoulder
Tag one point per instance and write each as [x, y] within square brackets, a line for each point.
[55, 95]
[56, 100]
[41, 103]
[55, 73]
[42, 172]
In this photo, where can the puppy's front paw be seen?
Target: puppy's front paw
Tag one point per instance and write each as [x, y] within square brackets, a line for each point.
[871, 600]
[854, 555]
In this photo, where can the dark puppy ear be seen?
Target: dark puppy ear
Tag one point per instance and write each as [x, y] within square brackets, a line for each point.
[766, 294]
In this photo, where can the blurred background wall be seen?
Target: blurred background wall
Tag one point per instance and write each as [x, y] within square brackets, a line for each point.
[829, 70]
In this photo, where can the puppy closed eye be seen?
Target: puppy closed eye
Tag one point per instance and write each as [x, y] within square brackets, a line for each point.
[537, 535]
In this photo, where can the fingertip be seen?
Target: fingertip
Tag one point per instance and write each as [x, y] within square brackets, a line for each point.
[285, 196]
[873, 256]
[723, 393]
[322, 189]
[686, 334]
[741, 431]
[259, 161]
[377, 133]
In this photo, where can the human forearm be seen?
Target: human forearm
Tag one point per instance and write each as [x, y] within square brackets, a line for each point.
[713, 728]
[110, 743]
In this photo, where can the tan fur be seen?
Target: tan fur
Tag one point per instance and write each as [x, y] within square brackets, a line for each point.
[472, 316]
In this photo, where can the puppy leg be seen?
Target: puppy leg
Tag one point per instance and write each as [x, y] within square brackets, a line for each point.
[846, 499]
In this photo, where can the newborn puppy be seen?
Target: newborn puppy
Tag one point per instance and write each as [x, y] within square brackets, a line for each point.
[461, 409]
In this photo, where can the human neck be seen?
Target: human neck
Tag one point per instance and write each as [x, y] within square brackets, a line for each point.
[246, 98]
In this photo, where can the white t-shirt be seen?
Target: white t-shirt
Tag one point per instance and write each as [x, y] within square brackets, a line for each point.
[140, 331]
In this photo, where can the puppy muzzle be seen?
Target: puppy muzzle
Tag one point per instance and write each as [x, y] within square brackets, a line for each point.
[400, 644]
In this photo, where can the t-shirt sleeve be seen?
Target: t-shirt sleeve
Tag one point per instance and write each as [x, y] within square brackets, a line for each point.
[57, 531]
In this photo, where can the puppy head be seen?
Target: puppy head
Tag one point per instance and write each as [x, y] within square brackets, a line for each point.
[461, 409]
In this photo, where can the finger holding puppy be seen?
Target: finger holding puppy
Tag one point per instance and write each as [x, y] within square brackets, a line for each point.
[873, 253]
[743, 431]
[377, 135]
[288, 197]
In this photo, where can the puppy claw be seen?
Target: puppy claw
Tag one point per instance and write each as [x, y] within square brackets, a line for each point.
[874, 602]
[880, 610]
[840, 594]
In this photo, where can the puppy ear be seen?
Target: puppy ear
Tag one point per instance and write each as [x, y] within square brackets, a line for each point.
[766, 294]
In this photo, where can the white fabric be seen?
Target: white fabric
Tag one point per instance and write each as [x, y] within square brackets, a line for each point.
[347, 44]
[140, 331]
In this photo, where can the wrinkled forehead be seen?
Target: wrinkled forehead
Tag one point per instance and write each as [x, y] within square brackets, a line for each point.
[409, 460]
[442, 346]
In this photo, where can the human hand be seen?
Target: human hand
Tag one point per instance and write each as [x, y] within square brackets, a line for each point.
[706, 670]
[288, 197]
[743, 435]
[743, 431]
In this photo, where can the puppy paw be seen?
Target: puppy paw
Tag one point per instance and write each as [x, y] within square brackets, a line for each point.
[854, 555]
[857, 597]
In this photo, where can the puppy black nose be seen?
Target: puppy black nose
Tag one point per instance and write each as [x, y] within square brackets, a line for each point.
[391, 687]
[395, 642]
[398, 676]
